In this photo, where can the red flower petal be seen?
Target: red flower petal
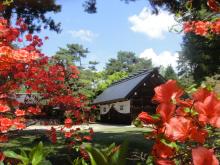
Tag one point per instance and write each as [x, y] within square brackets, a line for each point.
[204, 156]
[146, 118]
[166, 111]
[168, 92]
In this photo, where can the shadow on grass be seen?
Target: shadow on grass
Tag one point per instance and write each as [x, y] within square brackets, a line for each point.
[61, 155]
[138, 146]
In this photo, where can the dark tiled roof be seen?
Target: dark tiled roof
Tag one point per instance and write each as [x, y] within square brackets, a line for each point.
[121, 90]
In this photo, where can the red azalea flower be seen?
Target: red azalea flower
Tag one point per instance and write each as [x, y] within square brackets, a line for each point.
[6, 122]
[178, 128]
[76, 114]
[201, 27]
[29, 37]
[72, 143]
[209, 110]
[185, 103]
[19, 112]
[3, 129]
[198, 135]
[213, 5]
[2, 7]
[35, 111]
[4, 108]
[146, 118]
[187, 27]
[164, 162]
[215, 27]
[53, 135]
[166, 111]
[180, 111]
[204, 156]
[20, 126]
[91, 131]
[93, 107]
[68, 134]
[2, 156]
[201, 94]
[84, 154]
[3, 138]
[161, 150]
[88, 138]
[68, 123]
[168, 92]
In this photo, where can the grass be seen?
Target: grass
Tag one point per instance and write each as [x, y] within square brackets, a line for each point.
[60, 155]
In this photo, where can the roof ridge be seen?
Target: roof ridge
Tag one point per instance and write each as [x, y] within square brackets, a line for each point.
[132, 76]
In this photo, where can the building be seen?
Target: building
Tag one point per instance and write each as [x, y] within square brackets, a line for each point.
[125, 99]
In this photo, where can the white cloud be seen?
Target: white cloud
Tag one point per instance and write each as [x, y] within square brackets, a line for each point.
[165, 58]
[84, 35]
[152, 25]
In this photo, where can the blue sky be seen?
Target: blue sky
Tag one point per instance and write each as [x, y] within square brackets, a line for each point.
[116, 26]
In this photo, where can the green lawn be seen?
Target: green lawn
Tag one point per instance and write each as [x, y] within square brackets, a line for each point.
[138, 145]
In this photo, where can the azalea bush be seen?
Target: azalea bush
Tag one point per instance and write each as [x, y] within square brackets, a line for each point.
[12, 62]
[209, 26]
[27, 69]
[184, 126]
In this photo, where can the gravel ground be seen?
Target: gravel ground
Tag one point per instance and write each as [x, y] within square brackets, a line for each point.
[96, 126]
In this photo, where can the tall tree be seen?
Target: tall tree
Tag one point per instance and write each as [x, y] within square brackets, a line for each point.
[170, 73]
[71, 55]
[92, 65]
[128, 62]
[106, 80]
[173, 6]
[199, 56]
[33, 13]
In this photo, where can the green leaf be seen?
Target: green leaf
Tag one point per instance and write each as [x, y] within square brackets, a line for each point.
[120, 156]
[188, 5]
[23, 153]
[38, 154]
[170, 144]
[37, 158]
[97, 158]
[155, 116]
[12, 154]
[108, 150]
[187, 110]
[79, 161]
[138, 123]
[149, 160]
[7, 2]
[191, 89]
[45, 162]
[194, 113]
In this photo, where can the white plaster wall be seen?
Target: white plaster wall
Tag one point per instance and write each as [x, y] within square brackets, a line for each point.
[104, 109]
[126, 107]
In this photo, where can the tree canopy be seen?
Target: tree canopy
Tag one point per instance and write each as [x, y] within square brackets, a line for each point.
[128, 62]
[72, 54]
[33, 13]
[199, 56]
[169, 73]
